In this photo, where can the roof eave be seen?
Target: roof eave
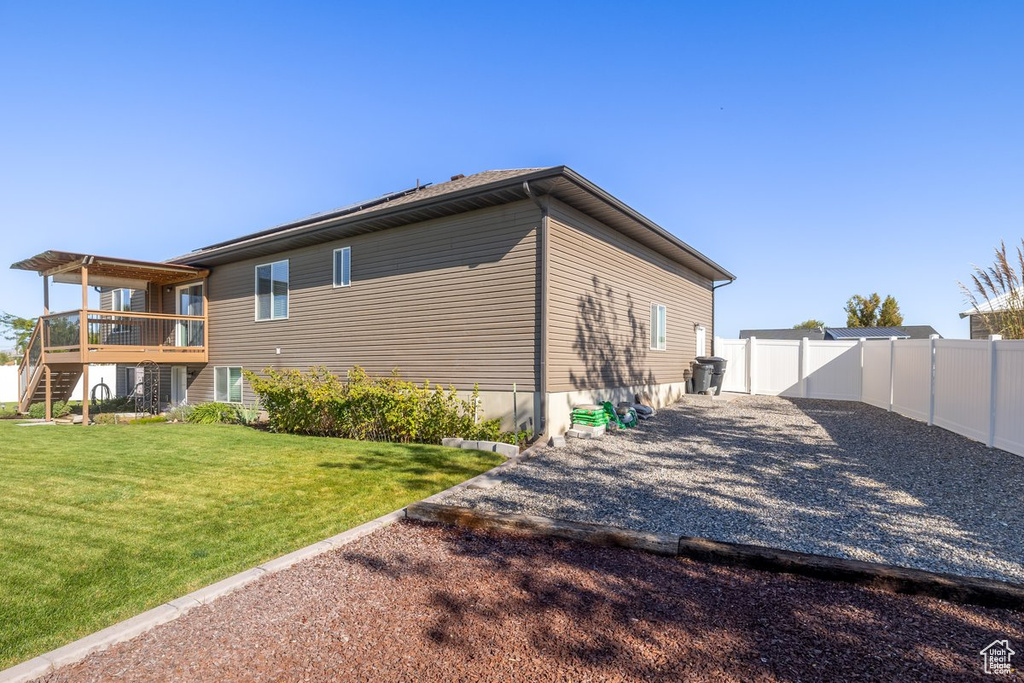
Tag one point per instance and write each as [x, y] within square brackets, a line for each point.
[716, 271]
[621, 206]
[304, 225]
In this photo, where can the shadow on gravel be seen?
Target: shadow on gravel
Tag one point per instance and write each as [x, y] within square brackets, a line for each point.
[606, 612]
[827, 477]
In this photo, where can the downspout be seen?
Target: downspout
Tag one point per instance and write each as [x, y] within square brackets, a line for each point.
[542, 311]
[714, 328]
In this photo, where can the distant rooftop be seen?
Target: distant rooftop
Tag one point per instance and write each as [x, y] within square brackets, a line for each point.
[902, 332]
[994, 305]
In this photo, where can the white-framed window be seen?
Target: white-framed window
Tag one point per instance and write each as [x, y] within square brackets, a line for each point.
[227, 384]
[121, 300]
[272, 290]
[659, 335]
[343, 267]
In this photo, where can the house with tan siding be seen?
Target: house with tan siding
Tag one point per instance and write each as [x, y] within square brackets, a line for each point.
[529, 283]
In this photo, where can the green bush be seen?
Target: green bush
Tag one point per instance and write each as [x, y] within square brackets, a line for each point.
[121, 404]
[58, 409]
[152, 419]
[8, 411]
[248, 415]
[212, 413]
[180, 413]
[369, 408]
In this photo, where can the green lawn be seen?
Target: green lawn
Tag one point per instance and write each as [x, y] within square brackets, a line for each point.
[100, 523]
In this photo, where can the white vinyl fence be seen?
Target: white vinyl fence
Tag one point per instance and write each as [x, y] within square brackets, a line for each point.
[107, 374]
[971, 387]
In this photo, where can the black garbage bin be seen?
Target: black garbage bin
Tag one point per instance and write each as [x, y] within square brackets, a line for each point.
[701, 377]
[717, 365]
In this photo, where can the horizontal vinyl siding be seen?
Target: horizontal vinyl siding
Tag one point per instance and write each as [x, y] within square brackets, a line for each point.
[451, 300]
[601, 286]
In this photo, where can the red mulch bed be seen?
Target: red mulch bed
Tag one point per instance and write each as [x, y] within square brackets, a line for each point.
[425, 603]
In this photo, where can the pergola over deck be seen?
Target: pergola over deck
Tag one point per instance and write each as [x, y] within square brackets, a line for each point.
[69, 341]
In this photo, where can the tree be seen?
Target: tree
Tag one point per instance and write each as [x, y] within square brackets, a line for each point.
[809, 324]
[17, 330]
[890, 315]
[998, 293]
[871, 311]
[862, 311]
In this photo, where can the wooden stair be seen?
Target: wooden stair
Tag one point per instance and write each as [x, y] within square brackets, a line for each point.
[64, 380]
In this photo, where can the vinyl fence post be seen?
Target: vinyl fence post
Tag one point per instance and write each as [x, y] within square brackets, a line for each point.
[892, 369]
[751, 360]
[860, 344]
[802, 371]
[992, 388]
[931, 379]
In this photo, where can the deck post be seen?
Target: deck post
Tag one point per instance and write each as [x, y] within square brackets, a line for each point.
[83, 318]
[206, 318]
[85, 394]
[46, 295]
[83, 327]
[46, 377]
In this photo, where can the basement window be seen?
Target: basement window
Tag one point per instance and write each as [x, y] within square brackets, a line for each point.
[227, 384]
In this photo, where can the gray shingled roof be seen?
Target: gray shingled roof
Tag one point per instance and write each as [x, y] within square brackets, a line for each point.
[866, 332]
[384, 201]
[477, 191]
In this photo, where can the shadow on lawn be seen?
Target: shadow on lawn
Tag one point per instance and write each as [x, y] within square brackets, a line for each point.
[589, 611]
[829, 477]
[413, 465]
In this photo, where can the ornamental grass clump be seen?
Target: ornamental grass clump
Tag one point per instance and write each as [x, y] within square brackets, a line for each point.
[389, 408]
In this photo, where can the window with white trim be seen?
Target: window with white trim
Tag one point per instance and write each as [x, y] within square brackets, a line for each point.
[227, 384]
[121, 300]
[272, 291]
[659, 337]
[343, 267]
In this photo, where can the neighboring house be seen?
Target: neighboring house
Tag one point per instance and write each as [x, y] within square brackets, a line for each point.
[979, 326]
[831, 333]
[533, 278]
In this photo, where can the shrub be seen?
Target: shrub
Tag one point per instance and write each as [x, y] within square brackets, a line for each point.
[152, 419]
[58, 409]
[179, 413]
[248, 415]
[212, 413]
[369, 408]
[8, 411]
[121, 404]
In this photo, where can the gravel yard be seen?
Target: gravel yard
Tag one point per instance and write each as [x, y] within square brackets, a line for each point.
[427, 603]
[827, 477]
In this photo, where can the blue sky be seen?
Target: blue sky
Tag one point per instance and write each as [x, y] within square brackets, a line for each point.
[816, 149]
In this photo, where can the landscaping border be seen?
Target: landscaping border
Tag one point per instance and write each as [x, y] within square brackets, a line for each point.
[135, 626]
[893, 579]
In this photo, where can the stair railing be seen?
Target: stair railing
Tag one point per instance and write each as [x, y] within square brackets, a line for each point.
[30, 362]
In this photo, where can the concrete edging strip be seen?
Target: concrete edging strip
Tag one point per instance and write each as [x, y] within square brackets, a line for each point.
[893, 579]
[135, 626]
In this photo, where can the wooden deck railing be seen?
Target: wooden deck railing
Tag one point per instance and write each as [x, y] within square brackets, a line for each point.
[123, 337]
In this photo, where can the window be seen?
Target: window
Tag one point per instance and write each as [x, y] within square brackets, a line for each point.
[659, 340]
[343, 267]
[121, 300]
[227, 385]
[272, 291]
